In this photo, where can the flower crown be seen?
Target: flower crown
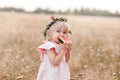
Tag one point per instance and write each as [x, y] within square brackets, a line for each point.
[54, 20]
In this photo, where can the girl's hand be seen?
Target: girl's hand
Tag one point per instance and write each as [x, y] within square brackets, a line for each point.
[69, 47]
[66, 47]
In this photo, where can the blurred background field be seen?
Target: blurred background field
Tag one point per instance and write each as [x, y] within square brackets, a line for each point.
[95, 54]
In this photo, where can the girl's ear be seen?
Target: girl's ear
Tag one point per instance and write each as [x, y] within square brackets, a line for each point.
[47, 32]
[48, 35]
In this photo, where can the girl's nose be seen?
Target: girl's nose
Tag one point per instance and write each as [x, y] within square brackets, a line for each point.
[61, 34]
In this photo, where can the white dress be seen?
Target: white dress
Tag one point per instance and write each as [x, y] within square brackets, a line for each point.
[49, 72]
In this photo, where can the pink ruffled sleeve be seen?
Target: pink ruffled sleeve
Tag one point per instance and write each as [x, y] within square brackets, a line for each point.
[43, 47]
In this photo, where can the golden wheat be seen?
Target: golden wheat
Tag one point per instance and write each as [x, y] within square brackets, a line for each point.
[95, 54]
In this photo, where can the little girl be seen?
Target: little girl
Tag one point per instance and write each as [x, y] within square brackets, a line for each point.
[55, 55]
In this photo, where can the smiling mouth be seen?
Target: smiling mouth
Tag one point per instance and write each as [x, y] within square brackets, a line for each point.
[63, 39]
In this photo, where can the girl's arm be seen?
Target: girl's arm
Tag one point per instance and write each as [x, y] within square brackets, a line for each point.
[67, 56]
[55, 58]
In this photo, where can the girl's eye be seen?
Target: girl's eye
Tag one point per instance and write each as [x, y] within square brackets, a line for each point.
[64, 32]
[58, 31]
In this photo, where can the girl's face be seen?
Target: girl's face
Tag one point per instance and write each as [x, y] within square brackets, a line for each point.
[57, 33]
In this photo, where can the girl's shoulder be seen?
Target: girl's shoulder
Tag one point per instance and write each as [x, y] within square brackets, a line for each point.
[47, 45]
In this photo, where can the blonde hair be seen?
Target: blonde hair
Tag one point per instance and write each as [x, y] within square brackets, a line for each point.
[59, 25]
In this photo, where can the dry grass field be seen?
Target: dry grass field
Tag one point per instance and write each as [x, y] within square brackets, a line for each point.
[95, 54]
